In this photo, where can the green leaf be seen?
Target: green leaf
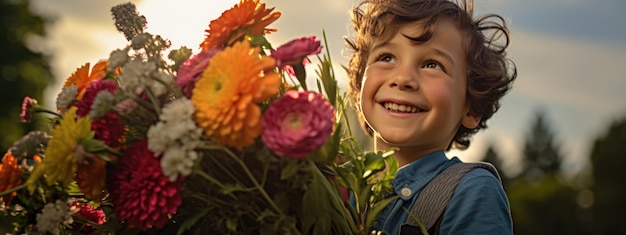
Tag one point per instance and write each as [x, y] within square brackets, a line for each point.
[376, 209]
[300, 74]
[189, 222]
[322, 208]
[374, 163]
[290, 170]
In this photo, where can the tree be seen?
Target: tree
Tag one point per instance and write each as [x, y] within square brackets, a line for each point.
[541, 153]
[609, 171]
[23, 71]
[541, 201]
[492, 156]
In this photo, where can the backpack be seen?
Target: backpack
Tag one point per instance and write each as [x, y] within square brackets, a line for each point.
[432, 201]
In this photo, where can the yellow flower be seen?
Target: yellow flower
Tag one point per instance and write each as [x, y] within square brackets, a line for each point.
[60, 163]
[225, 96]
[247, 16]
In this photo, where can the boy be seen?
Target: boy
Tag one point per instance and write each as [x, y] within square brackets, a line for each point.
[426, 78]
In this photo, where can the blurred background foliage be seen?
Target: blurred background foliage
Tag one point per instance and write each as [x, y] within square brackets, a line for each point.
[543, 200]
[24, 70]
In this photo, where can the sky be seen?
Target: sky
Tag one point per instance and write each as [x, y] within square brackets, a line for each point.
[570, 56]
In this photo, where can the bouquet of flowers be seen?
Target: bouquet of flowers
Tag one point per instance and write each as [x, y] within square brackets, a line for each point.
[228, 140]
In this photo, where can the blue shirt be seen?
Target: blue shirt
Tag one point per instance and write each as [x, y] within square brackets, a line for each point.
[478, 206]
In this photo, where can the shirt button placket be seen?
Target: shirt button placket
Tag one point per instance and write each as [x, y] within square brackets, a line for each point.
[406, 192]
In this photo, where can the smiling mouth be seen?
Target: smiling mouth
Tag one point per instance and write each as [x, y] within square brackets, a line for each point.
[400, 108]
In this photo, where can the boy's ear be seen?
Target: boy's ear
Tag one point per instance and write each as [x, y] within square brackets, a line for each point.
[470, 119]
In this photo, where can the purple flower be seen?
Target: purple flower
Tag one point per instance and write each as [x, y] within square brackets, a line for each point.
[27, 105]
[296, 51]
[297, 124]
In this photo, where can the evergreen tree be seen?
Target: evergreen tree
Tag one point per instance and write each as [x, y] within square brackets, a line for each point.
[23, 71]
[608, 158]
[541, 202]
[492, 156]
[541, 153]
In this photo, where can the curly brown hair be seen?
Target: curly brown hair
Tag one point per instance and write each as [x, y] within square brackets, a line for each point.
[490, 74]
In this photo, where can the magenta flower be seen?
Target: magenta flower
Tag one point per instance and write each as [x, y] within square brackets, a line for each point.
[192, 69]
[27, 106]
[297, 124]
[142, 195]
[109, 128]
[296, 51]
[91, 214]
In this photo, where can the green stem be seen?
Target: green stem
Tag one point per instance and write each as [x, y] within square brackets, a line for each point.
[249, 174]
[176, 92]
[40, 109]
[210, 179]
[256, 183]
[154, 100]
[7, 192]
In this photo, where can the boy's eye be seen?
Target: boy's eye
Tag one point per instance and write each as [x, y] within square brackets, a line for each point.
[433, 65]
[385, 58]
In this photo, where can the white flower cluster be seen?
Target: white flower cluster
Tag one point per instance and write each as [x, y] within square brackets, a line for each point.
[138, 75]
[175, 136]
[66, 97]
[103, 101]
[52, 215]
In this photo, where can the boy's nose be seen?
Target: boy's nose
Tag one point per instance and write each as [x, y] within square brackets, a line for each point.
[405, 80]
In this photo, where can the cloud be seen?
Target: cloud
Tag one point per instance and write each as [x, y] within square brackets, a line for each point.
[569, 72]
[601, 20]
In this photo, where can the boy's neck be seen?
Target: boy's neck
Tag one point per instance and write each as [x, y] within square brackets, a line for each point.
[404, 155]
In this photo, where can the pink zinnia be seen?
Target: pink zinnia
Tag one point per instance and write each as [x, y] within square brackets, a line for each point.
[108, 128]
[88, 212]
[192, 69]
[142, 195]
[297, 124]
[27, 105]
[296, 51]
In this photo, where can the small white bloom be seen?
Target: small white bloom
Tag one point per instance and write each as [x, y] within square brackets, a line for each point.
[177, 161]
[52, 216]
[160, 88]
[140, 40]
[102, 104]
[176, 110]
[118, 58]
[157, 141]
[136, 76]
[175, 136]
[66, 97]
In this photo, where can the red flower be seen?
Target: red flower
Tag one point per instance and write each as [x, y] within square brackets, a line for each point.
[297, 124]
[88, 212]
[295, 51]
[108, 128]
[90, 94]
[192, 69]
[27, 105]
[142, 195]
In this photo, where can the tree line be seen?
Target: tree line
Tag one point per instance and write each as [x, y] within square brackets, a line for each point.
[544, 202]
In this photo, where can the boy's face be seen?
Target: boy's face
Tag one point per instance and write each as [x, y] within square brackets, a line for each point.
[413, 95]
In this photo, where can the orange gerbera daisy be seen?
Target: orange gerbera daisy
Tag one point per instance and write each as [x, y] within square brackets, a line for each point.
[249, 16]
[82, 76]
[225, 96]
[9, 175]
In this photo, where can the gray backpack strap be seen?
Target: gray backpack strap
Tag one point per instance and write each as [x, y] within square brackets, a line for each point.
[433, 199]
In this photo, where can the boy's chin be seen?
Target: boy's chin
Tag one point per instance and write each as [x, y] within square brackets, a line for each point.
[393, 140]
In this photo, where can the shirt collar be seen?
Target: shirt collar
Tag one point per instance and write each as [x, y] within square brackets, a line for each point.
[412, 177]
